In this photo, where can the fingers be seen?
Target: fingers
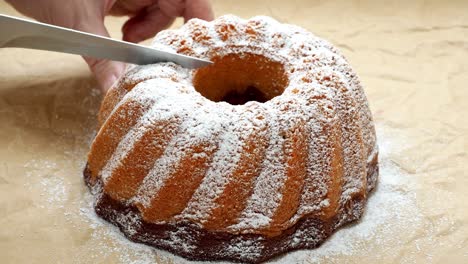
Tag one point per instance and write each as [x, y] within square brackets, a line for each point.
[106, 72]
[149, 20]
[187, 8]
[146, 24]
[172, 8]
[198, 9]
[161, 15]
[129, 7]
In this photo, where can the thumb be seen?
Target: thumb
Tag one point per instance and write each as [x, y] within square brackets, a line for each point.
[106, 72]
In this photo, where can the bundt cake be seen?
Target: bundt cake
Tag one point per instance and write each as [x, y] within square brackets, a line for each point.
[269, 149]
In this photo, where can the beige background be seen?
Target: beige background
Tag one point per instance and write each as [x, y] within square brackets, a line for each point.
[413, 61]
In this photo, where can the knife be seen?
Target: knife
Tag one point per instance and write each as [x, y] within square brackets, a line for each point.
[23, 33]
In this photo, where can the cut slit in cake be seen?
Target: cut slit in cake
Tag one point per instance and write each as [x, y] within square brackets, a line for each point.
[268, 150]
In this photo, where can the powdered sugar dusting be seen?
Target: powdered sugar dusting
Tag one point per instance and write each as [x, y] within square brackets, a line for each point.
[224, 163]
[320, 146]
[199, 126]
[318, 77]
[266, 195]
[162, 109]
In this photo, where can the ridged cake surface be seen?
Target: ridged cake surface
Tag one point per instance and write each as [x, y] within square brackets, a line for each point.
[269, 149]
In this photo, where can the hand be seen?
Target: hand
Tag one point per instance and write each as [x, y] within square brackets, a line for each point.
[147, 17]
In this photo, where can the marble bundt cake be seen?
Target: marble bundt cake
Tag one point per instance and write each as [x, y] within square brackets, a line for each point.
[269, 149]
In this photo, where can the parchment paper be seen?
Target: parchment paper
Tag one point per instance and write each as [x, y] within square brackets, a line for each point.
[412, 57]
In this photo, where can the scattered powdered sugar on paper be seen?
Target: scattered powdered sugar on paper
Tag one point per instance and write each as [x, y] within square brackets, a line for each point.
[106, 240]
[391, 209]
[53, 190]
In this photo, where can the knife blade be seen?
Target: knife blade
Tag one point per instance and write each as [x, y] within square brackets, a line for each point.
[23, 33]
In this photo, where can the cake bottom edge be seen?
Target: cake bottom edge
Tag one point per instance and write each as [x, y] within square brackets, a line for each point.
[192, 242]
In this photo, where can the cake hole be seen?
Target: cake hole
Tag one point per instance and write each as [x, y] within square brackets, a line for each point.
[241, 78]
